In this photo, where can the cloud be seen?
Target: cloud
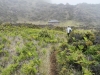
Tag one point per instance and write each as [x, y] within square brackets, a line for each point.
[44, 1]
[76, 1]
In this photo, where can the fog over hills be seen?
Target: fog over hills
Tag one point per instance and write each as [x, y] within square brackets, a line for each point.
[41, 10]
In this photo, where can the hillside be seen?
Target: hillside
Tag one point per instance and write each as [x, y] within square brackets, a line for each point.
[37, 10]
[43, 51]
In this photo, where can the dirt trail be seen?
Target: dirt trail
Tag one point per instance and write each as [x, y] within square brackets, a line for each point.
[45, 65]
[48, 66]
[53, 64]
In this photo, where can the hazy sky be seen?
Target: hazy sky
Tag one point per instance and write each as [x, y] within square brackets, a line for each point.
[73, 2]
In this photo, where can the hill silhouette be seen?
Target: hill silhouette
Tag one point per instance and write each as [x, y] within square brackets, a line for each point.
[37, 10]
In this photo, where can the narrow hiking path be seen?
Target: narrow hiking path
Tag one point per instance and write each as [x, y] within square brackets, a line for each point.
[53, 63]
[45, 57]
[48, 65]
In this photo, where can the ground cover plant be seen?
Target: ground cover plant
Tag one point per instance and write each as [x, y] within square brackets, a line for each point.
[30, 50]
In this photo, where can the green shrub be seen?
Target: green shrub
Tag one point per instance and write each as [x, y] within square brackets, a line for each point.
[92, 50]
[10, 69]
[87, 71]
[97, 57]
[64, 45]
[89, 43]
[90, 36]
[30, 68]
[44, 34]
[27, 52]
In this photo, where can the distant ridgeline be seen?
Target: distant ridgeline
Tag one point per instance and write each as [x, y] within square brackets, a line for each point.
[15, 11]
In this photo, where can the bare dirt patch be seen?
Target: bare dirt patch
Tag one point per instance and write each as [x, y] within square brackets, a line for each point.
[53, 63]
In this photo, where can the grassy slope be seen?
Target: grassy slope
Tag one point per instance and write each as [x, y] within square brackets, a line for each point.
[27, 51]
[17, 39]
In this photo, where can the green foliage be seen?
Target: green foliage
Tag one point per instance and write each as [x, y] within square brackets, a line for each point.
[45, 34]
[93, 50]
[85, 38]
[20, 49]
[44, 51]
[90, 36]
[80, 47]
[1, 46]
[10, 69]
[89, 43]
[75, 56]
[86, 71]
[27, 52]
[97, 58]
[61, 56]
[64, 45]
[3, 52]
[30, 68]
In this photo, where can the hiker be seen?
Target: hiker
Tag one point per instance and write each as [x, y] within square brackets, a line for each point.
[69, 29]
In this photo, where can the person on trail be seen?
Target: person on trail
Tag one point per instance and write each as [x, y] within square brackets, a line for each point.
[69, 29]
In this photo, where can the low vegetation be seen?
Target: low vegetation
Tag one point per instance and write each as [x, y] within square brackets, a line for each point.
[31, 51]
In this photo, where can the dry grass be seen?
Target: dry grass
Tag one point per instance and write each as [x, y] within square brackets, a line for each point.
[69, 23]
[45, 64]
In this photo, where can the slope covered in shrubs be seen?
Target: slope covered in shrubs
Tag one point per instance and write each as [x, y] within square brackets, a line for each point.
[31, 51]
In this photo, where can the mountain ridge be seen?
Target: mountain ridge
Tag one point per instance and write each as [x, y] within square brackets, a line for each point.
[36, 10]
